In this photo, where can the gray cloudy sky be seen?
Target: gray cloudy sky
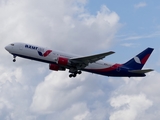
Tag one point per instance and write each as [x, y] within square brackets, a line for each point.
[30, 91]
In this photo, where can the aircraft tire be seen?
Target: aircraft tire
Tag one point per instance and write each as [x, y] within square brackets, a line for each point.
[79, 72]
[70, 75]
[74, 75]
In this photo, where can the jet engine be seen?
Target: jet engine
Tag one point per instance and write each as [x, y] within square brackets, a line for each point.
[62, 61]
[56, 67]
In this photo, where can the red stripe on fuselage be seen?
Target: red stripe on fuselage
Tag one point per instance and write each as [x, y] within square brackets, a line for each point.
[47, 53]
[114, 67]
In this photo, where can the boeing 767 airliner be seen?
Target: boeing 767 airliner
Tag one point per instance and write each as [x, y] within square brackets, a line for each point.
[60, 61]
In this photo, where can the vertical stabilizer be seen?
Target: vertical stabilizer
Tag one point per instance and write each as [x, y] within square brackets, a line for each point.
[139, 60]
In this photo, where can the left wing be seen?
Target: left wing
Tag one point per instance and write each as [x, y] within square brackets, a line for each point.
[90, 59]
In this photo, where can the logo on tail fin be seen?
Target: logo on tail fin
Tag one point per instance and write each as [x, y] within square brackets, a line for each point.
[137, 60]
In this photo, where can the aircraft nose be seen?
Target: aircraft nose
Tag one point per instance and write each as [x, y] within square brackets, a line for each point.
[7, 47]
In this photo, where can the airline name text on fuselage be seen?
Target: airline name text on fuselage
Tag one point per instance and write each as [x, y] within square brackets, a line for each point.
[31, 47]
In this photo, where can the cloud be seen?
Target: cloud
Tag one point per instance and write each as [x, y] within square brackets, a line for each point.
[139, 98]
[129, 107]
[14, 94]
[55, 22]
[140, 5]
[28, 89]
[84, 97]
[137, 37]
[129, 44]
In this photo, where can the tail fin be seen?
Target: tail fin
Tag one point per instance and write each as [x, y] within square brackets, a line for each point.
[138, 61]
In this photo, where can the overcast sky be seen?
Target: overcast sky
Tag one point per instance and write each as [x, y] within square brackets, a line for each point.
[30, 91]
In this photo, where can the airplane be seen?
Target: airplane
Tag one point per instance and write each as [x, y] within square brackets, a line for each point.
[59, 61]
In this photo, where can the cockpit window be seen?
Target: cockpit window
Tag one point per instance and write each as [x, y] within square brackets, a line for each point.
[12, 44]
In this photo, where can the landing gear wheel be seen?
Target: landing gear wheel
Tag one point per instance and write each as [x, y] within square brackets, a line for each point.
[74, 75]
[14, 58]
[74, 72]
[70, 75]
[79, 72]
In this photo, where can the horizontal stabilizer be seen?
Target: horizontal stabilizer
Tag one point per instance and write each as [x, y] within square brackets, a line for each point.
[141, 71]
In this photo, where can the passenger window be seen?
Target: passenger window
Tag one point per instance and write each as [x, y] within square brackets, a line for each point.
[12, 44]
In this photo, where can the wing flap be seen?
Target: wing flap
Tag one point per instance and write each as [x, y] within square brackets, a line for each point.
[141, 71]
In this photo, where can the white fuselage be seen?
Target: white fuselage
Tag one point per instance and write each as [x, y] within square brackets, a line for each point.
[36, 53]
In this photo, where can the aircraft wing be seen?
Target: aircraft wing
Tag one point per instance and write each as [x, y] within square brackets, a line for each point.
[90, 59]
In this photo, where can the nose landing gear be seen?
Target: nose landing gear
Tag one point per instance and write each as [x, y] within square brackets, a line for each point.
[14, 58]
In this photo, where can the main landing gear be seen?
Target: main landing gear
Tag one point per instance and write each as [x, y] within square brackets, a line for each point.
[75, 74]
[14, 58]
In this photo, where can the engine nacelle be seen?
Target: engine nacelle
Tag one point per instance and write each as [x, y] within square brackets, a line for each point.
[56, 67]
[62, 61]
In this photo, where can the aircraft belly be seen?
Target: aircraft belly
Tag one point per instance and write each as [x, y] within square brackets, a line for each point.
[116, 70]
[115, 73]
